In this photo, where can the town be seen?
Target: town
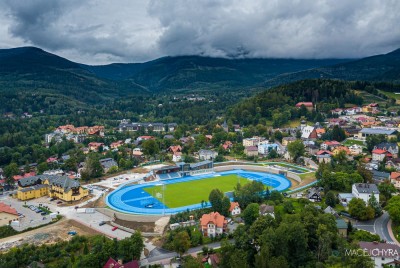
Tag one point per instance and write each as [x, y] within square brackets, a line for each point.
[317, 159]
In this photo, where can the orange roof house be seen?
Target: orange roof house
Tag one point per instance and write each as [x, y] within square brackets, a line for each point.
[213, 224]
[175, 149]
[94, 146]
[341, 148]
[234, 209]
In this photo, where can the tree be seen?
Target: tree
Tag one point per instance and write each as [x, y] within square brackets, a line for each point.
[296, 149]
[359, 210]
[393, 208]
[181, 242]
[226, 204]
[251, 213]
[215, 198]
[373, 140]
[150, 147]
[373, 203]
[10, 171]
[131, 248]
[42, 167]
[338, 133]
[92, 168]
[330, 199]
[386, 189]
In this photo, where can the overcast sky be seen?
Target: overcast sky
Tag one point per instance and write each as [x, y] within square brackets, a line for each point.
[104, 31]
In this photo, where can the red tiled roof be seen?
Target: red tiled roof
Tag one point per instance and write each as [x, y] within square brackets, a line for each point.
[395, 175]
[233, 205]
[214, 217]
[7, 209]
[306, 104]
[320, 152]
[111, 263]
[379, 151]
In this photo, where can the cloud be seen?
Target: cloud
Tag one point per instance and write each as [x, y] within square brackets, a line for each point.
[102, 31]
[278, 28]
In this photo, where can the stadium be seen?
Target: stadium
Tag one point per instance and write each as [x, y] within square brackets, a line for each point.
[187, 187]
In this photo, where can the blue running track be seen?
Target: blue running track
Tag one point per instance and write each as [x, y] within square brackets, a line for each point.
[133, 199]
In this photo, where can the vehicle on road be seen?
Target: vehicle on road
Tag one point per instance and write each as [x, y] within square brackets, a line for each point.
[59, 202]
[102, 223]
[115, 228]
[72, 233]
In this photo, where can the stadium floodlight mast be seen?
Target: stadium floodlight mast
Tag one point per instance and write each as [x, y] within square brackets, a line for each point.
[163, 195]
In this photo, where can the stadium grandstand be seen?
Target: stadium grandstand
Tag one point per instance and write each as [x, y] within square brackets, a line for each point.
[183, 169]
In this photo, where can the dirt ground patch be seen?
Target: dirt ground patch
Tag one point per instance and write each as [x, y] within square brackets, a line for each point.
[47, 235]
[98, 203]
[147, 227]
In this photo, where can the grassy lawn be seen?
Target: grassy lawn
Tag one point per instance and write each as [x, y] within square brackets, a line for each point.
[351, 142]
[193, 192]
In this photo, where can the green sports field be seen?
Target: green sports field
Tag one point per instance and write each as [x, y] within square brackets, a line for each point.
[193, 192]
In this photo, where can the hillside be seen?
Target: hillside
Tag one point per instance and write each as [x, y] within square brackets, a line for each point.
[30, 69]
[384, 67]
[195, 72]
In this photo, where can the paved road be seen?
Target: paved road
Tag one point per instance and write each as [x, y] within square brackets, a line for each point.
[163, 256]
[378, 226]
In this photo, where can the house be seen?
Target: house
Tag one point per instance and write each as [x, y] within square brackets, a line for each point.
[144, 138]
[234, 209]
[213, 224]
[308, 105]
[387, 132]
[393, 163]
[266, 148]
[355, 149]
[391, 147]
[326, 145]
[370, 108]
[213, 260]
[342, 227]
[251, 151]
[308, 132]
[320, 131]
[207, 154]
[314, 195]
[111, 263]
[330, 210]
[395, 179]
[177, 157]
[94, 146]
[379, 155]
[345, 198]
[227, 145]
[107, 164]
[115, 145]
[61, 187]
[323, 156]
[287, 140]
[338, 149]
[379, 176]
[311, 148]
[174, 149]
[383, 254]
[7, 214]
[254, 141]
[267, 210]
[364, 191]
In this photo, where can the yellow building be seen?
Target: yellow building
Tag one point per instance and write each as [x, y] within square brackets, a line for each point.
[60, 187]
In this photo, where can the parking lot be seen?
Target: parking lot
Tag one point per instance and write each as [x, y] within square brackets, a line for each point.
[28, 218]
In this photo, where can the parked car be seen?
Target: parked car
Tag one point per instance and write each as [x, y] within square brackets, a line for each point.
[102, 223]
[59, 202]
[43, 213]
[115, 228]
[52, 199]
[72, 232]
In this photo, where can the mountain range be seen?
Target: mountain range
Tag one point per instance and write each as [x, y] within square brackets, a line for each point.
[31, 69]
